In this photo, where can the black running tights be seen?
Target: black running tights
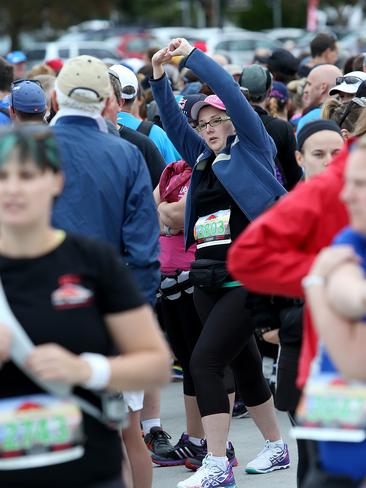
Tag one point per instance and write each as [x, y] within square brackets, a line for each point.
[226, 340]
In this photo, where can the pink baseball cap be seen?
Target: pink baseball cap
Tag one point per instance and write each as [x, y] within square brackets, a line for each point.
[211, 100]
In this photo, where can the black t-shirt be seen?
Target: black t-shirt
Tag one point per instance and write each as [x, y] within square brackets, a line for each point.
[211, 200]
[154, 160]
[61, 297]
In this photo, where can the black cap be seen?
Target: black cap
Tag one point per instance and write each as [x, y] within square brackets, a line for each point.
[282, 61]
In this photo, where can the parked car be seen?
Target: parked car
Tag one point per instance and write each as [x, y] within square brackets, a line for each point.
[40, 52]
[134, 45]
[240, 45]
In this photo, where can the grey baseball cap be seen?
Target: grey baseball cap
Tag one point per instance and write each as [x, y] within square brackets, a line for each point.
[256, 79]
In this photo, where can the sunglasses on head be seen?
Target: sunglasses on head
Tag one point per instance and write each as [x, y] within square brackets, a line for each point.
[17, 82]
[349, 80]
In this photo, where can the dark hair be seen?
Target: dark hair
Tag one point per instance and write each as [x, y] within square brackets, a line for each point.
[29, 117]
[128, 90]
[357, 64]
[6, 75]
[149, 53]
[321, 43]
[116, 86]
[33, 141]
[348, 65]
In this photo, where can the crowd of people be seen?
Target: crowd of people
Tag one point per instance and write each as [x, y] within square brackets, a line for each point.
[193, 212]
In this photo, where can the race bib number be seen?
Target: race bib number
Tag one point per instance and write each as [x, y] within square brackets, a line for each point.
[333, 409]
[213, 229]
[39, 430]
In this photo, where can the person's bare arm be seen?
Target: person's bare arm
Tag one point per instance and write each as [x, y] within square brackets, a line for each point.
[345, 341]
[145, 358]
[346, 291]
[172, 214]
[144, 361]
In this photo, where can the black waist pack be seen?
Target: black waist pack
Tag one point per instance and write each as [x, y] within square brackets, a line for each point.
[208, 274]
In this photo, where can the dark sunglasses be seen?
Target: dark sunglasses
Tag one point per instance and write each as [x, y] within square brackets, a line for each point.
[349, 80]
[17, 82]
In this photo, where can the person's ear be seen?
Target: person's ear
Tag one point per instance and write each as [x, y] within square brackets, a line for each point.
[345, 134]
[12, 113]
[107, 104]
[299, 158]
[54, 102]
[58, 184]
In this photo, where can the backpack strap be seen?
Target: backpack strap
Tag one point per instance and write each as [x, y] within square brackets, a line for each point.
[145, 127]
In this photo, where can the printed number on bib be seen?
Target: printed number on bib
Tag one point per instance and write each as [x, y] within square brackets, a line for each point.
[332, 408]
[213, 229]
[39, 430]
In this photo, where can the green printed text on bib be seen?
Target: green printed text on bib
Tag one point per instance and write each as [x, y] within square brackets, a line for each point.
[39, 430]
[213, 229]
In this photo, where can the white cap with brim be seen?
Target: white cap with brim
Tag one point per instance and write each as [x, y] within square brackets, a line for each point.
[350, 88]
[127, 78]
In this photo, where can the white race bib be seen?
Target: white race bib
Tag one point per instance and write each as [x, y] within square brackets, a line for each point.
[213, 229]
[39, 430]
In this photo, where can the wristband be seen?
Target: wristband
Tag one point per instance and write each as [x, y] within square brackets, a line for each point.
[100, 371]
[311, 280]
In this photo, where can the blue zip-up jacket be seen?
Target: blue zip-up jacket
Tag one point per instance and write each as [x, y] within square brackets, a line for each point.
[245, 167]
[108, 195]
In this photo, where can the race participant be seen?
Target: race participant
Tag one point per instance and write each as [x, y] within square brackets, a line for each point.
[92, 332]
[231, 134]
[335, 292]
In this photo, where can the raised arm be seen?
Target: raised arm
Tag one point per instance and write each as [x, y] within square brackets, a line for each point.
[175, 123]
[247, 123]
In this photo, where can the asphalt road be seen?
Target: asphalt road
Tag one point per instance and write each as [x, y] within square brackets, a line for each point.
[246, 439]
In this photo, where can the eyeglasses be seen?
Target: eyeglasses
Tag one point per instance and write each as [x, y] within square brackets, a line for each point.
[212, 123]
[349, 80]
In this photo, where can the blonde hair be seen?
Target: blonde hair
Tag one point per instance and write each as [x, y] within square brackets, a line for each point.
[275, 106]
[346, 115]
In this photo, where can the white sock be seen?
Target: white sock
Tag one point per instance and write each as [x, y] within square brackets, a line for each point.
[196, 441]
[221, 462]
[279, 442]
[148, 424]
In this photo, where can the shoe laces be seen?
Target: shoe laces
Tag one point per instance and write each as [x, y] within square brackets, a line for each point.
[271, 451]
[161, 437]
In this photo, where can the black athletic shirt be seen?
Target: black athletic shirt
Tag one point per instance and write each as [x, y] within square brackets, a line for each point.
[39, 291]
[154, 159]
[209, 197]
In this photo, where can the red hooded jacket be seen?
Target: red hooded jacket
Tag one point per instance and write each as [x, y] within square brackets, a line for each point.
[276, 251]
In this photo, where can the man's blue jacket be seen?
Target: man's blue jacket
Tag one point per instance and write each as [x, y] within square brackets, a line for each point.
[245, 167]
[108, 195]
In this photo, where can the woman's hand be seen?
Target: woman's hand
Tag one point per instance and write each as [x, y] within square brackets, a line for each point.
[5, 344]
[157, 61]
[180, 47]
[51, 362]
[330, 258]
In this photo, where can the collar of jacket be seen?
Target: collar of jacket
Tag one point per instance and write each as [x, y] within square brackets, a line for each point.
[224, 155]
[81, 120]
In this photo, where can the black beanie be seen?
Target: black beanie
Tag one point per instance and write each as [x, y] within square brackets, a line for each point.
[316, 126]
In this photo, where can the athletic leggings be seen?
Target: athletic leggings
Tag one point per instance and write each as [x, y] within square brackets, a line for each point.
[226, 340]
[183, 328]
